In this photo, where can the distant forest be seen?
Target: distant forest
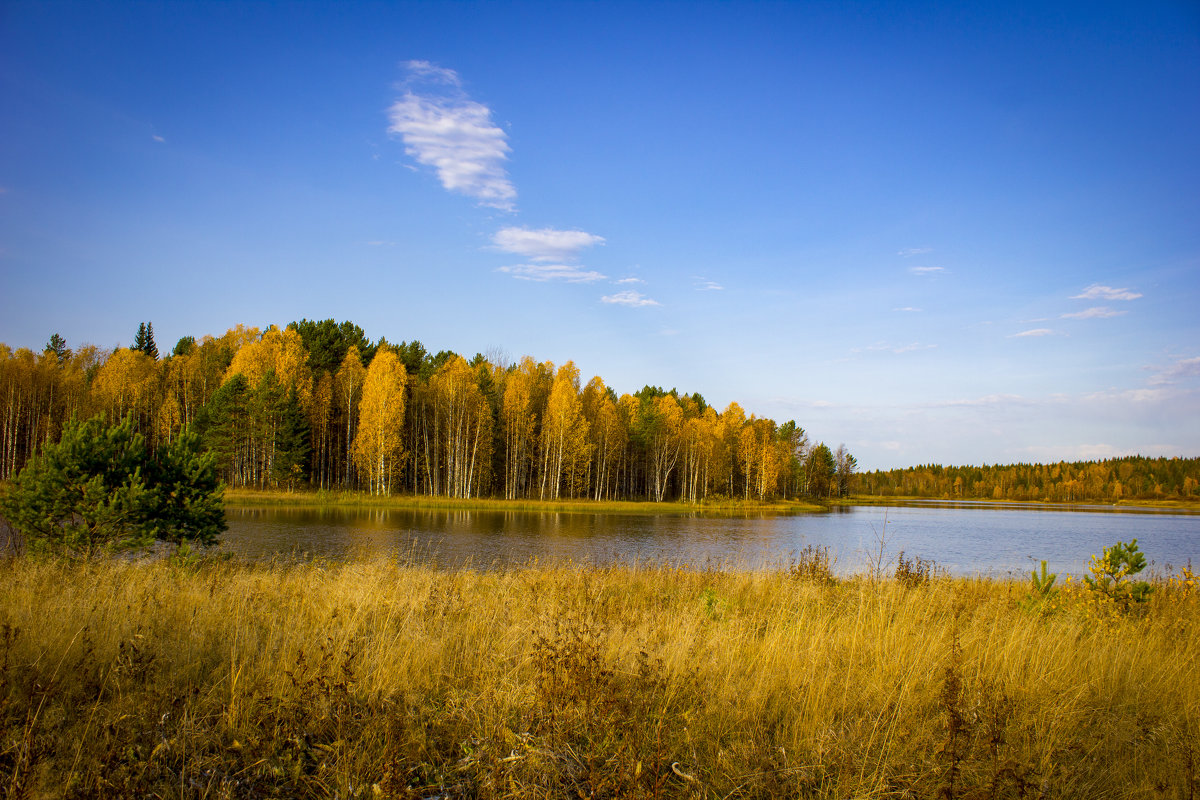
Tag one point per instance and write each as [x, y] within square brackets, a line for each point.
[1132, 477]
[318, 405]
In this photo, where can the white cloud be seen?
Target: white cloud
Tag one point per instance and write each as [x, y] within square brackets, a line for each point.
[444, 129]
[1034, 332]
[630, 280]
[1134, 396]
[1098, 312]
[629, 298]
[1183, 368]
[543, 244]
[988, 400]
[908, 309]
[157, 138]
[702, 284]
[423, 70]
[552, 272]
[927, 270]
[914, 251]
[1098, 292]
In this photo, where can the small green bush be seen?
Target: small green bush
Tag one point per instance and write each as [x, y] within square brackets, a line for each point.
[98, 489]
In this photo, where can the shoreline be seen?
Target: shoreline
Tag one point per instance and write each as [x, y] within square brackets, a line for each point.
[1133, 506]
[248, 498]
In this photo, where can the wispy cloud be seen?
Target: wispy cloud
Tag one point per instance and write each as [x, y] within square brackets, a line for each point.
[629, 280]
[157, 138]
[380, 243]
[444, 129]
[914, 251]
[886, 347]
[553, 272]
[1034, 333]
[909, 309]
[1183, 368]
[987, 400]
[544, 244]
[702, 284]
[629, 298]
[927, 270]
[1098, 292]
[1098, 312]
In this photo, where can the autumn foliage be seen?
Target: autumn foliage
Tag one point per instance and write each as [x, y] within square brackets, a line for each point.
[317, 404]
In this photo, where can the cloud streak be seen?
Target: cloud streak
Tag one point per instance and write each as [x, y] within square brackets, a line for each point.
[1098, 312]
[1098, 292]
[927, 270]
[1034, 333]
[629, 298]
[443, 128]
[542, 273]
[544, 244]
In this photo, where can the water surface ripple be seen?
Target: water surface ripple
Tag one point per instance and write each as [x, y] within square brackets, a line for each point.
[965, 541]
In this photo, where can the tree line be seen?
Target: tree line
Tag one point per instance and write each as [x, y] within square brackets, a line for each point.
[1131, 477]
[317, 404]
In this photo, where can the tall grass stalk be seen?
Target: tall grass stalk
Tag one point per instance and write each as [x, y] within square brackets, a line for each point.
[397, 680]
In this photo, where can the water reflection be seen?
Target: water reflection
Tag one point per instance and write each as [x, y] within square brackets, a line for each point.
[963, 540]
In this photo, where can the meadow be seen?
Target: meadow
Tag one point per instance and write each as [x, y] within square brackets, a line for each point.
[208, 678]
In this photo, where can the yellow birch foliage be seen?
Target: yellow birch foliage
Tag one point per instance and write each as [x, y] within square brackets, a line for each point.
[282, 351]
[125, 384]
[564, 433]
[377, 444]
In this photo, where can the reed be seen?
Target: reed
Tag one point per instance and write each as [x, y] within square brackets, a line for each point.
[221, 679]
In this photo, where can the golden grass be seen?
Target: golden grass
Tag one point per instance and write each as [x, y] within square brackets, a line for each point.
[122, 679]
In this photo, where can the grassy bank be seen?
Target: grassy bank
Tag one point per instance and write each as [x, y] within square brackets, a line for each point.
[382, 680]
[326, 499]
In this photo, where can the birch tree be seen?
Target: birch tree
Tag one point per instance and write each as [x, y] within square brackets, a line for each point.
[381, 419]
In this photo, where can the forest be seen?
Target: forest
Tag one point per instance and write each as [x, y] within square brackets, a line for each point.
[1111, 480]
[317, 405]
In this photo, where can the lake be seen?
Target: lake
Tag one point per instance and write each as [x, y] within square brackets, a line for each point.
[999, 542]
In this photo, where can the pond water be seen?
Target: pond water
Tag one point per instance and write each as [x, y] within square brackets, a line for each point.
[1000, 542]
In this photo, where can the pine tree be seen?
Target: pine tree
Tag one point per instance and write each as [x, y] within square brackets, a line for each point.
[144, 340]
[292, 437]
[58, 346]
[97, 489]
[150, 348]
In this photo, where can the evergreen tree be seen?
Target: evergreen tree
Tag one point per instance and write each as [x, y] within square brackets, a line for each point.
[144, 340]
[292, 438]
[221, 425]
[184, 346]
[58, 346]
[97, 490]
[151, 349]
[185, 496]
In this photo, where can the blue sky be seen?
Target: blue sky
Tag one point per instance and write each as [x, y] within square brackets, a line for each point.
[936, 233]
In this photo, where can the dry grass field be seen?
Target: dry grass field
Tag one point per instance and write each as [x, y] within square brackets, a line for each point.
[361, 680]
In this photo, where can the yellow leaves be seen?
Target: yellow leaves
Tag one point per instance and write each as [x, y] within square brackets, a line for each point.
[281, 351]
[126, 382]
[381, 416]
